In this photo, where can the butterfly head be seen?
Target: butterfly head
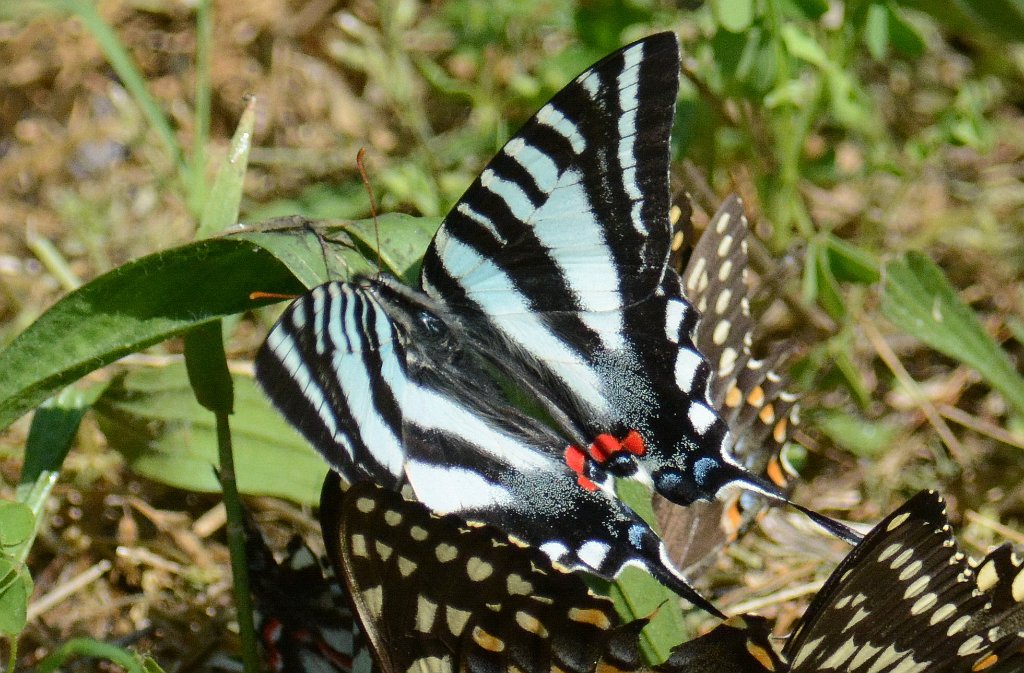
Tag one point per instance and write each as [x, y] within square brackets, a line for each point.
[421, 319]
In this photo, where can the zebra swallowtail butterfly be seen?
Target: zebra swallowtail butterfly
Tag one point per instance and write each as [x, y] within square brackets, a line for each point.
[748, 392]
[438, 594]
[552, 270]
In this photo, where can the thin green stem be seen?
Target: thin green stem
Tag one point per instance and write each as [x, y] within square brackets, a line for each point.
[236, 545]
[13, 658]
[211, 382]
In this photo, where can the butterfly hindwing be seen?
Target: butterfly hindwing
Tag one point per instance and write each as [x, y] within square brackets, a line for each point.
[749, 393]
[906, 599]
[440, 594]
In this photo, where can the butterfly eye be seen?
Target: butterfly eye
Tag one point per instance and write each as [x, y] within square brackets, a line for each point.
[433, 325]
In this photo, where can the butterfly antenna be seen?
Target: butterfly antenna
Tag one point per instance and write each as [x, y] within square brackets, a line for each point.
[373, 203]
[260, 295]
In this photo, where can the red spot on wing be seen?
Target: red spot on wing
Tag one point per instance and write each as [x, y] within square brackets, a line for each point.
[577, 462]
[634, 443]
[604, 447]
[575, 459]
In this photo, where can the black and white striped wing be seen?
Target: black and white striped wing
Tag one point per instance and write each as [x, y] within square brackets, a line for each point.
[555, 261]
[458, 445]
[907, 599]
[334, 365]
[302, 618]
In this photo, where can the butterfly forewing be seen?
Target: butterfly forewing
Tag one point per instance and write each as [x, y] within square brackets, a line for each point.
[555, 262]
[334, 364]
[572, 214]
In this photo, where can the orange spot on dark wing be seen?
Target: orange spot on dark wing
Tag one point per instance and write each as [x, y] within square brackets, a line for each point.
[774, 472]
[634, 443]
[779, 431]
[733, 519]
[577, 462]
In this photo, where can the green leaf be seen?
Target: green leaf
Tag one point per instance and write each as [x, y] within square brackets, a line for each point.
[220, 210]
[827, 286]
[207, 368]
[403, 241]
[93, 649]
[851, 263]
[50, 436]
[876, 31]
[133, 307]
[16, 525]
[152, 417]
[166, 294]
[801, 45]
[812, 9]
[856, 434]
[15, 590]
[149, 664]
[904, 37]
[920, 301]
[735, 16]
[317, 251]
[839, 352]
[993, 21]
[638, 595]
[313, 255]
